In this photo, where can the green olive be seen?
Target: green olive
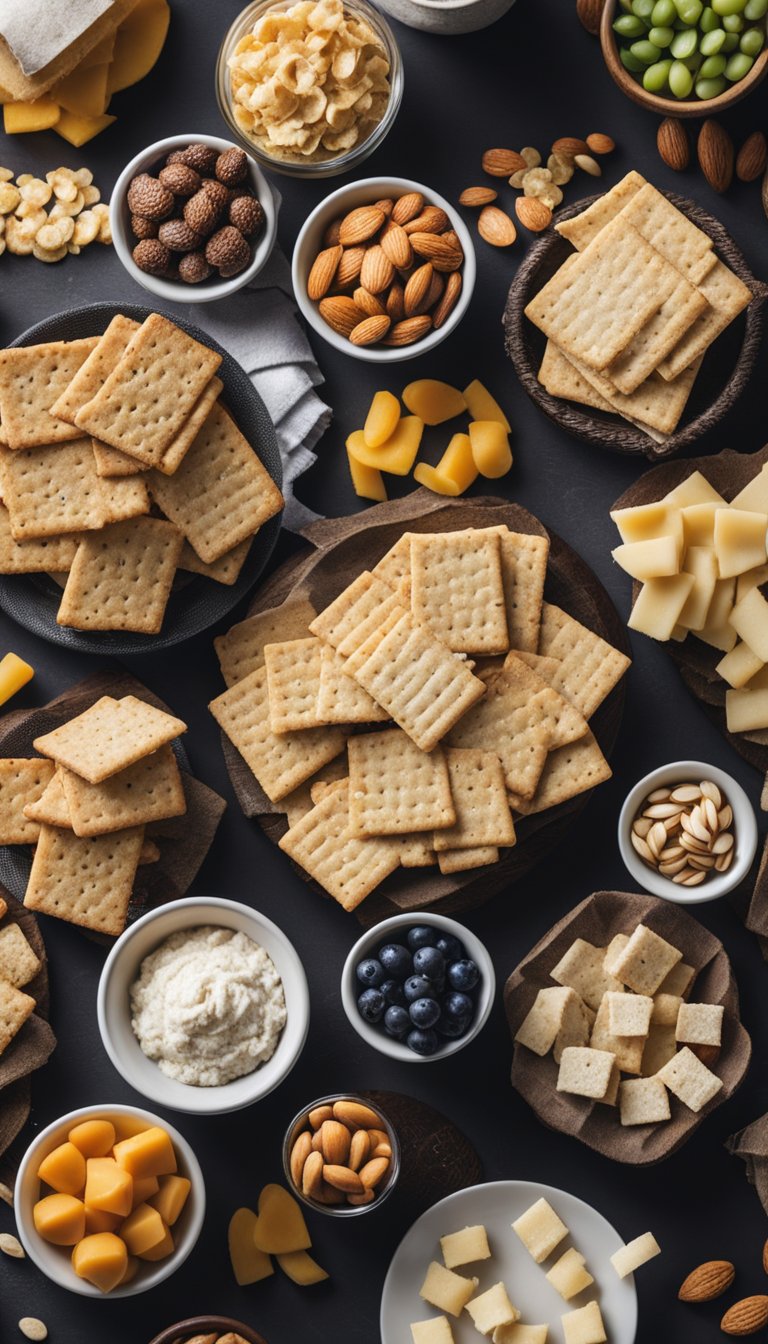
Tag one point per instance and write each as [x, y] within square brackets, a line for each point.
[731, 42]
[689, 10]
[709, 20]
[646, 52]
[643, 9]
[710, 88]
[751, 42]
[656, 76]
[680, 80]
[661, 37]
[739, 65]
[733, 23]
[684, 44]
[663, 13]
[755, 9]
[729, 6]
[627, 25]
[712, 42]
[713, 67]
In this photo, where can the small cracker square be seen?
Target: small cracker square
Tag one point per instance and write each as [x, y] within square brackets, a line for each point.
[589, 667]
[658, 337]
[666, 1008]
[457, 590]
[479, 797]
[22, 781]
[700, 1023]
[627, 1049]
[33, 555]
[52, 489]
[225, 570]
[463, 860]
[300, 801]
[347, 867]
[15, 1008]
[679, 981]
[121, 578]
[293, 683]
[340, 699]
[51, 807]
[85, 882]
[241, 650]
[690, 1080]
[561, 378]
[111, 463]
[19, 963]
[540, 1229]
[581, 968]
[575, 1027]
[726, 296]
[660, 1047]
[645, 961]
[109, 736]
[396, 789]
[539, 1028]
[357, 613]
[88, 378]
[629, 1014]
[584, 1325]
[567, 772]
[123, 497]
[643, 1101]
[149, 790]
[31, 379]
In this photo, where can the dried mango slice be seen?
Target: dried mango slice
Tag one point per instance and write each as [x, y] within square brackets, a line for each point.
[300, 1267]
[490, 448]
[280, 1226]
[439, 485]
[368, 482]
[381, 420]
[249, 1264]
[433, 400]
[397, 455]
[18, 118]
[482, 406]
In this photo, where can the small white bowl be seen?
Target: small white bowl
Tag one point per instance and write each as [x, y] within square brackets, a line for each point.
[55, 1261]
[310, 242]
[114, 1014]
[744, 829]
[150, 160]
[447, 18]
[387, 932]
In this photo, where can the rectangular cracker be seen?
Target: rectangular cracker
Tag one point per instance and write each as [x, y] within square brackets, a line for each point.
[241, 650]
[670, 232]
[19, 963]
[143, 403]
[121, 577]
[340, 699]
[585, 226]
[322, 844]
[109, 736]
[463, 860]
[568, 772]
[221, 493]
[22, 781]
[627, 1049]
[111, 462]
[394, 788]
[479, 797]
[394, 568]
[100, 362]
[15, 1008]
[178, 448]
[589, 667]
[655, 406]
[457, 590]
[282, 763]
[358, 612]
[52, 490]
[86, 882]
[293, 683]
[727, 296]
[31, 379]
[51, 807]
[225, 570]
[296, 804]
[416, 851]
[657, 338]
[149, 790]
[34, 555]
[524, 570]
[561, 378]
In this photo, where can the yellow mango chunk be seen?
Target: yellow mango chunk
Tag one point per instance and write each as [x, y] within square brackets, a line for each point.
[432, 479]
[160, 1250]
[64, 1169]
[144, 1189]
[397, 455]
[139, 41]
[143, 1229]
[381, 420]
[126, 1126]
[131, 1270]
[490, 448]
[83, 92]
[60, 1219]
[457, 462]
[301, 1268]
[368, 482]
[19, 118]
[94, 1138]
[98, 1220]
[171, 1197]
[147, 1154]
[482, 406]
[249, 1264]
[101, 1259]
[78, 131]
[280, 1226]
[434, 401]
[14, 673]
[108, 1187]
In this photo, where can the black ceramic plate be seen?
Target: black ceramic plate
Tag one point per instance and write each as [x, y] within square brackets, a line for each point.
[196, 603]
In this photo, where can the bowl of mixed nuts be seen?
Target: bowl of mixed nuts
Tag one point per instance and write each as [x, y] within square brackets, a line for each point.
[341, 1155]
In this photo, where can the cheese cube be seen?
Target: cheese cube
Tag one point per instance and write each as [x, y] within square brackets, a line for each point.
[627, 1050]
[161, 1249]
[582, 968]
[740, 540]
[540, 1230]
[699, 524]
[143, 1229]
[482, 406]
[584, 1326]
[107, 1186]
[64, 1169]
[462, 1248]
[660, 1047]
[645, 961]
[749, 619]
[491, 1309]
[739, 666]
[629, 1014]
[654, 559]
[701, 563]
[585, 1072]
[60, 1219]
[149, 1153]
[754, 496]
[645, 522]
[170, 1198]
[635, 1254]
[643, 1101]
[521, 1334]
[367, 482]
[700, 1023]
[569, 1276]
[718, 632]
[14, 673]
[695, 489]
[658, 606]
[690, 1080]
[94, 1138]
[435, 1331]
[665, 1009]
[445, 1290]
[102, 1259]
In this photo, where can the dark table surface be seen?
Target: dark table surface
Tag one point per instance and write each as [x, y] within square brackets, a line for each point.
[533, 77]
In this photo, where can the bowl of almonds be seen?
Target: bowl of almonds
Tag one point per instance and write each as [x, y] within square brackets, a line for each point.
[341, 1155]
[687, 832]
[384, 269]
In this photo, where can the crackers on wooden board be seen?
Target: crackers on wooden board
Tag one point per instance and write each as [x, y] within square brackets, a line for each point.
[102, 435]
[407, 722]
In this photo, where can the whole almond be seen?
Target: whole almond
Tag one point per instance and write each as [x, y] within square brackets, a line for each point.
[344, 1178]
[360, 224]
[377, 271]
[432, 219]
[448, 301]
[356, 1115]
[533, 213]
[474, 196]
[382, 1150]
[327, 1195]
[323, 270]
[587, 164]
[319, 1114]
[590, 12]
[407, 207]
[715, 153]
[349, 266]
[396, 245]
[751, 158]
[317, 1141]
[359, 1149]
[367, 1197]
[434, 293]
[331, 235]
[373, 1173]
[707, 1281]
[335, 1139]
[599, 143]
[312, 1175]
[417, 288]
[567, 146]
[502, 162]
[386, 204]
[342, 314]
[409, 330]
[496, 227]
[442, 252]
[746, 1317]
[299, 1154]
[395, 304]
[369, 304]
[672, 144]
[370, 330]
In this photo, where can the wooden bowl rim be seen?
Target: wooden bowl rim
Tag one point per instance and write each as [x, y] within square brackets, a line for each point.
[196, 1325]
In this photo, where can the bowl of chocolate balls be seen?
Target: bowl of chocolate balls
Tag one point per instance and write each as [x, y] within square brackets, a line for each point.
[193, 218]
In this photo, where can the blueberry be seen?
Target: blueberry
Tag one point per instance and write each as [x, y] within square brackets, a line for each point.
[371, 1005]
[428, 961]
[421, 936]
[370, 972]
[417, 987]
[424, 1012]
[450, 947]
[423, 1042]
[458, 1005]
[452, 1027]
[397, 1023]
[396, 960]
[392, 991]
[463, 974]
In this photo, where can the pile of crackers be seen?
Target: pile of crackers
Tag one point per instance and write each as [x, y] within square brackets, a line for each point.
[480, 692]
[118, 466]
[630, 315]
[83, 804]
[19, 964]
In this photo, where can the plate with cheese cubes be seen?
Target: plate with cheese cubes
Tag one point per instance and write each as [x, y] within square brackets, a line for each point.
[517, 1263]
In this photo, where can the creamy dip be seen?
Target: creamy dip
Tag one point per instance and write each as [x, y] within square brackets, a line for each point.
[208, 1006]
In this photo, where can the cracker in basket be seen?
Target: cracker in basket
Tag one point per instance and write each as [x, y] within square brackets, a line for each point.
[241, 650]
[358, 612]
[19, 963]
[589, 666]
[457, 590]
[51, 807]
[35, 555]
[88, 378]
[221, 493]
[656, 405]
[293, 683]
[52, 490]
[346, 867]
[149, 790]
[31, 379]
[86, 882]
[225, 570]
[462, 860]
[568, 772]
[561, 378]
[15, 1008]
[123, 498]
[657, 338]
[726, 296]
[340, 699]
[109, 736]
[394, 568]
[300, 801]
[22, 781]
[121, 577]
[480, 798]
[524, 569]
[177, 449]
[587, 224]
[394, 788]
[670, 232]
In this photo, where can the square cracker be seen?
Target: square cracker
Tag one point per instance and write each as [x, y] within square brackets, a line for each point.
[670, 232]
[340, 699]
[280, 763]
[690, 1080]
[457, 590]
[86, 882]
[726, 296]
[19, 963]
[225, 570]
[149, 790]
[22, 781]
[52, 489]
[111, 462]
[657, 338]
[394, 788]
[480, 798]
[15, 1008]
[100, 362]
[645, 961]
[322, 843]
[561, 378]
[34, 555]
[109, 736]
[121, 577]
[293, 684]
[295, 805]
[627, 1049]
[643, 1101]
[31, 379]
[568, 771]
[221, 493]
[358, 612]
[124, 498]
[581, 969]
[51, 807]
[241, 650]
[143, 403]
[589, 667]
[587, 224]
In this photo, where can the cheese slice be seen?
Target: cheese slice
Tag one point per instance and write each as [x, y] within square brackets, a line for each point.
[749, 619]
[739, 666]
[718, 632]
[740, 540]
[754, 496]
[644, 522]
[659, 604]
[746, 710]
[699, 524]
[653, 559]
[695, 489]
[700, 561]
[752, 579]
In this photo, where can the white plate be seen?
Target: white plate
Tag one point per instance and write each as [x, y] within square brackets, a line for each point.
[496, 1206]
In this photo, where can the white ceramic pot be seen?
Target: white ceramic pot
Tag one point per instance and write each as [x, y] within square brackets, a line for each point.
[446, 18]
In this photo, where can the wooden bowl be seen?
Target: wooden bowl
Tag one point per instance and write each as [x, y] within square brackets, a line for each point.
[671, 107]
[202, 1325]
[727, 367]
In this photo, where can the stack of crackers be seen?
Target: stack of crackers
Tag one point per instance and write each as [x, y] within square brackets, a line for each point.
[84, 803]
[629, 316]
[479, 690]
[93, 434]
[19, 964]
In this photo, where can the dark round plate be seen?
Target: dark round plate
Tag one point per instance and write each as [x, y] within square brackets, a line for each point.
[195, 603]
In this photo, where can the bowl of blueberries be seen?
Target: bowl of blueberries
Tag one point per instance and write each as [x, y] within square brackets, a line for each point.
[418, 988]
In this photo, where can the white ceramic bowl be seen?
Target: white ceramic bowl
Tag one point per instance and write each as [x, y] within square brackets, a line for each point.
[447, 18]
[150, 160]
[391, 930]
[55, 1261]
[122, 968]
[309, 243]
[744, 828]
